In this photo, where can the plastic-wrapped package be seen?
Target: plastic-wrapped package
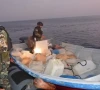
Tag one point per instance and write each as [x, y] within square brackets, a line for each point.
[54, 67]
[37, 66]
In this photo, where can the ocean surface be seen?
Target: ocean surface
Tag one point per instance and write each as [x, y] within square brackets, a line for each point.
[83, 30]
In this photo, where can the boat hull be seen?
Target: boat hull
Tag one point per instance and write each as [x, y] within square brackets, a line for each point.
[67, 82]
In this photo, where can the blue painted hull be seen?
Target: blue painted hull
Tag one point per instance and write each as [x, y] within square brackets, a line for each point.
[73, 83]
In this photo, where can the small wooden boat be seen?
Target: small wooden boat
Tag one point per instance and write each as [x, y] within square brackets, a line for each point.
[82, 53]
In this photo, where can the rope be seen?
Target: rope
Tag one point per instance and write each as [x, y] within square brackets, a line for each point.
[73, 71]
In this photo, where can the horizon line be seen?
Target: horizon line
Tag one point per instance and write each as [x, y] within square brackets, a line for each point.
[49, 18]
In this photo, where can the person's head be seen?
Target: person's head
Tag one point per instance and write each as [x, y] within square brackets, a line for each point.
[2, 28]
[40, 24]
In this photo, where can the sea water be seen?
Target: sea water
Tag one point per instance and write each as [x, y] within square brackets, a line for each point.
[83, 31]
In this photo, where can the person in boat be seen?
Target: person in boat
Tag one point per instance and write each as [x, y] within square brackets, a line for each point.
[5, 47]
[37, 36]
[38, 33]
[20, 80]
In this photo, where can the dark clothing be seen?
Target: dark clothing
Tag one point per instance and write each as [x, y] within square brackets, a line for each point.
[18, 78]
[37, 33]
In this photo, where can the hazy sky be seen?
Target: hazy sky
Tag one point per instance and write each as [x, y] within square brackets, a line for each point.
[12, 10]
